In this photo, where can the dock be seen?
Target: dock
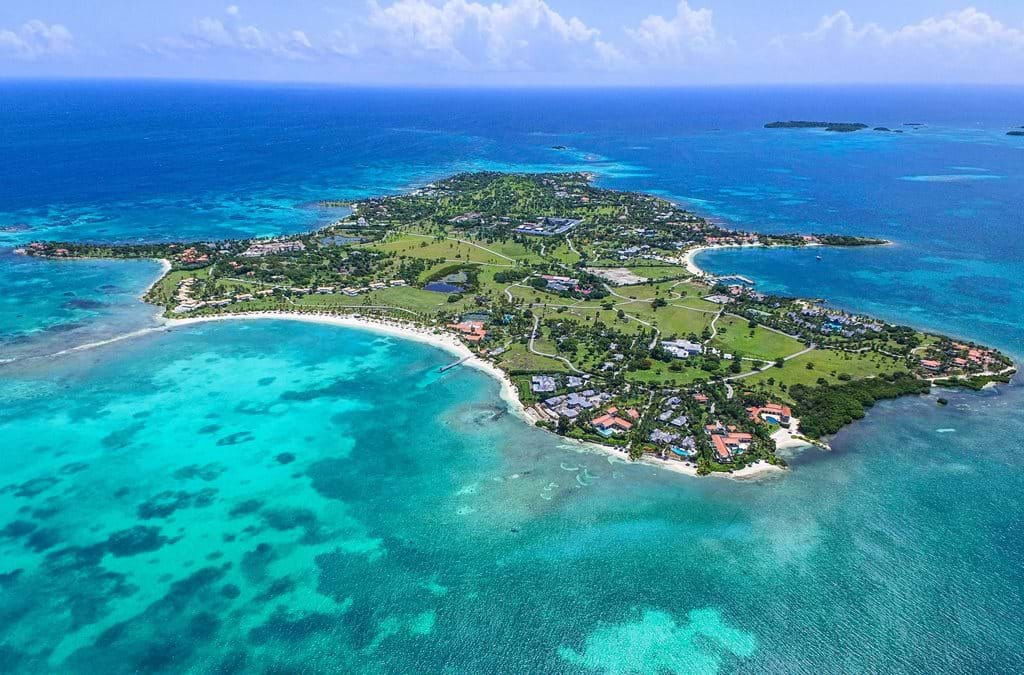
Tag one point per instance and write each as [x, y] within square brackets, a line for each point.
[736, 277]
[443, 369]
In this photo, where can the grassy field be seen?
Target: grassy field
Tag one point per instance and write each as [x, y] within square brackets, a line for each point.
[562, 253]
[734, 336]
[657, 272]
[660, 374]
[426, 303]
[827, 364]
[519, 358]
[670, 320]
[513, 250]
[431, 249]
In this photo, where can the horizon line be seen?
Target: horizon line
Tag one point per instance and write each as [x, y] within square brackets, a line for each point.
[500, 87]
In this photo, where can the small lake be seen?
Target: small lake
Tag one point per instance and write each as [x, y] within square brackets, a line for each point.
[452, 283]
[443, 287]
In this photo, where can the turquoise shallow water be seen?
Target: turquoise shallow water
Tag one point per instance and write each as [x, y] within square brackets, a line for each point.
[264, 494]
[282, 497]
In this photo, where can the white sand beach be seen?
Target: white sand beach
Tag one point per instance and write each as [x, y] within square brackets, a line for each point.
[689, 258]
[442, 340]
[408, 331]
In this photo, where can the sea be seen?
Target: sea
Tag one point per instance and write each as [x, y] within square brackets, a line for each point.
[282, 497]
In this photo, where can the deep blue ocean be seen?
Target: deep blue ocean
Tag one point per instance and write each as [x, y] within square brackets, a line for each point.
[281, 497]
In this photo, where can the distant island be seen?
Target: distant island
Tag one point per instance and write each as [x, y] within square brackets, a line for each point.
[1015, 132]
[838, 127]
[587, 303]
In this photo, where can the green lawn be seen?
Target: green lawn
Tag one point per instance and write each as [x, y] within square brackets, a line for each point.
[734, 336]
[658, 271]
[519, 358]
[828, 364]
[671, 320]
[419, 247]
[660, 374]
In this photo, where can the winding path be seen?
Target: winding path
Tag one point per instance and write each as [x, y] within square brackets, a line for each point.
[770, 365]
[533, 336]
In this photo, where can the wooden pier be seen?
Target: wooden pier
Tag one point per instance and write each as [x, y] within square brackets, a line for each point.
[452, 365]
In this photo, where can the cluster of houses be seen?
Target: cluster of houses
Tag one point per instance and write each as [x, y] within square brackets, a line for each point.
[548, 226]
[192, 256]
[951, 357]
[671, 430]
[353, 291]
[186, 303]
[543, 384]
[273, 248]
[727, 442]
[735, 239]
[572, 405]
[37, 248]
[831, 322]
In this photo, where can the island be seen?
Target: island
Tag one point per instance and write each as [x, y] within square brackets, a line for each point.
[1015, 132]
[838, 127]
[589, 306]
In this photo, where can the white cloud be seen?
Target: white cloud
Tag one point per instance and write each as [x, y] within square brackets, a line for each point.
[531, 40]
[967, 45]
[35, 40]
[516, 35]
[673, 39]
[966, 29]
[209, 34]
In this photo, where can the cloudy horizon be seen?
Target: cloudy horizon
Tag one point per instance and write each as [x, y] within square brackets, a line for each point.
[519, 42]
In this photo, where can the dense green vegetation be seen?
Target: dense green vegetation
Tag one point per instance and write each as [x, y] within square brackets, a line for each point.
[827, 408]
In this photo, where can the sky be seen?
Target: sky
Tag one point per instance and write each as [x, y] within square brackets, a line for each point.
[518, 42]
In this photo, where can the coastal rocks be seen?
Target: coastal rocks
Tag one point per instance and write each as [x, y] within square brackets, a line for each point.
[167, 502]
[236, 438]
[206, 472]
[32, 488]
[135, 540]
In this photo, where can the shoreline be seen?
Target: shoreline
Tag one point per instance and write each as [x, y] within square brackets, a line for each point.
[394, 328]
[689, 259]
[446, 342]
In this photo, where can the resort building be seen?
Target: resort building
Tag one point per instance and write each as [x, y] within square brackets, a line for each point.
[727, 442]
[773, 413]
[273, 248]
[611, 423]
[682, 349]
[543, 384]
[471, 331]
[548, 227]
